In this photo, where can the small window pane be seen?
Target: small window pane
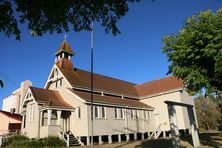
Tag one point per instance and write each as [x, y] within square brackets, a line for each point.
[96, 112]
[136, 114]
[78, 113]
[131, 114]
[121, 113]
[103, 112]
[116, 113]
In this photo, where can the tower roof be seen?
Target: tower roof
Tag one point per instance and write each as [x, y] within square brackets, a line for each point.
[64, 47]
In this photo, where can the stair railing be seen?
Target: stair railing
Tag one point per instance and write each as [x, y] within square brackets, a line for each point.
[63, 135]
[156, 133]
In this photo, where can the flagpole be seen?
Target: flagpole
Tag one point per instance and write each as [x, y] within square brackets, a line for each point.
[92, 45]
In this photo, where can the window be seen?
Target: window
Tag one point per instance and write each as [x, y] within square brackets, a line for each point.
[56, 72]
[96, 112]
[116, 113]
[24, 121]
[121, 113]
[31, 112]
[78, 113]
[103, 112]
[100, 112]
[137, 114]
[132, 114]
[149, 114]
[145, 114]
[60, 82]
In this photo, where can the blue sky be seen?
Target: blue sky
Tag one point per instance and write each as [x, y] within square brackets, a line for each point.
[134, 55]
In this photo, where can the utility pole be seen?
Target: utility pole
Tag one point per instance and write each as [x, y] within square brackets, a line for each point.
[92, 45]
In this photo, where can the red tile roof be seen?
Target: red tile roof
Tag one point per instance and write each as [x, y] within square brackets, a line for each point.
[50, 97]
[65, 47]
[81, 78]
[64, 63]
[10, 115]
[158, 86]
[114, 100]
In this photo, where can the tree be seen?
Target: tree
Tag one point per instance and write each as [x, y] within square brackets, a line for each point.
[208, 113]
[42, 16]
[195, 52]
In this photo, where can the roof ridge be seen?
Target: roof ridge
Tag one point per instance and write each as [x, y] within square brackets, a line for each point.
[162, 78]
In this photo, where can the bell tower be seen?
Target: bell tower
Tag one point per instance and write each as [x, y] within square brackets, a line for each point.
[64, 51]
[63, 56]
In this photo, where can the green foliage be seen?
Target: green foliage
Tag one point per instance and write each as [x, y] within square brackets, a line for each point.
[23, 141]
[52, 141]
[16, 141]
[208, 113]
[43, 16]
[195, 52]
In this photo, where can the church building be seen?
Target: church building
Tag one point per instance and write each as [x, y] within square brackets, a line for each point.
[122, 111]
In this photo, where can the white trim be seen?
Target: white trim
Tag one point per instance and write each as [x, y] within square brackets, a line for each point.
[48, 79]
[60, 74]
[26, 98]
[159, 94]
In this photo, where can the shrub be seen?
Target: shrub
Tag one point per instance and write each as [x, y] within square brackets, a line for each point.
[25, 142]
[16, 141]
[53, 141]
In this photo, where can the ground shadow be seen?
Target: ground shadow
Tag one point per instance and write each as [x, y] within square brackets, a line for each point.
[160, 143]
[207, 139]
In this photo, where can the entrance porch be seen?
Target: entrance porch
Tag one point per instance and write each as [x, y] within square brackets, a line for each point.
[54, 121]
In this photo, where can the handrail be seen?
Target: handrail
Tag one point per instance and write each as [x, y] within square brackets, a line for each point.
[64, 136]
[156, 133]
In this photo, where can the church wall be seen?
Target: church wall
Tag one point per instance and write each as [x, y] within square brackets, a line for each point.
[78, 126]
[32, 127]
[112, 126]
[160, 114]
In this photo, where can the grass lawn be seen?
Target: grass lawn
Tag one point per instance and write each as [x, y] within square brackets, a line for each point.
[210, 139]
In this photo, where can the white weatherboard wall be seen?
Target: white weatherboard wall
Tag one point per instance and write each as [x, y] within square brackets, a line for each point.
[161, 108]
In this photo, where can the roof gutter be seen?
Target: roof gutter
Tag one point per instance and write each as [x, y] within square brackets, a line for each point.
[121, 106]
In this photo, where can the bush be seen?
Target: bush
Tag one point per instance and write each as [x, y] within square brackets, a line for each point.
[25, 142]
[53, 141]
[16, 141]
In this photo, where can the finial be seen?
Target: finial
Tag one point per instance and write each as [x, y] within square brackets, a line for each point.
[65, 36]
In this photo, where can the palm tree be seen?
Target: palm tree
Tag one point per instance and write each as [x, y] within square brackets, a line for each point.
[1, 83]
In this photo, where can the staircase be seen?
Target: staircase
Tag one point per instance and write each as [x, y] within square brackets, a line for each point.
[70, 139]
[156, 133]
[73, 141]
